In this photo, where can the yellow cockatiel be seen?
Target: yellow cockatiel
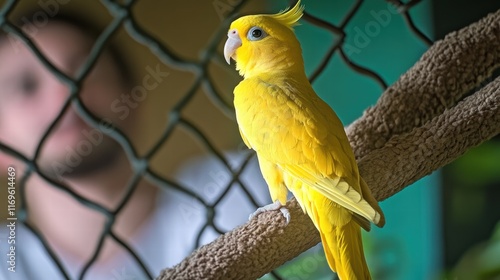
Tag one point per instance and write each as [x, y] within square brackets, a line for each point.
[300, 142]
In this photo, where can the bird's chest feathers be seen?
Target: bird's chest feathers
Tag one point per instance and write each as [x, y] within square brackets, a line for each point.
[265, 111]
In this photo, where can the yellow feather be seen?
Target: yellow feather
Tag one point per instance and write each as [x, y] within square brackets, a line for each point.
[290, 17]
[300, 142]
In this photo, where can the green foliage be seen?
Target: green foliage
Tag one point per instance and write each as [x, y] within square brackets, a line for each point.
[481, 261]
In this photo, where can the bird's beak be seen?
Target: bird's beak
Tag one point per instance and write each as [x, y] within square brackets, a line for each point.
[233, 42]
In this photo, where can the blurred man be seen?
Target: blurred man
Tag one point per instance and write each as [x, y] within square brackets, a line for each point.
[159, 225]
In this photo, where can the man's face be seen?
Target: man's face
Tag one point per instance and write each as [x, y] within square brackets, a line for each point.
[31, 96]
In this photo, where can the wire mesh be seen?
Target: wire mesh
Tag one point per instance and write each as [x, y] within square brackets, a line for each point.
[123, 16]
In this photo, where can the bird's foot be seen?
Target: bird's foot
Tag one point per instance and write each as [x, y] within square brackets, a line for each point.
[272, 207]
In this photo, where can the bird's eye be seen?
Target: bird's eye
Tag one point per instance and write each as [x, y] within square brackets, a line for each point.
[256, 33]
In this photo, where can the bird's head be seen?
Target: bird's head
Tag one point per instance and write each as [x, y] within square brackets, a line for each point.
[265, 43]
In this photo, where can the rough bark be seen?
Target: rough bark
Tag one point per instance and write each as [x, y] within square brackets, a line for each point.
[420, 124]
[445, 73]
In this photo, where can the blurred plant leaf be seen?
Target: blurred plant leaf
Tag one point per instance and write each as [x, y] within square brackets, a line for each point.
[481, 261]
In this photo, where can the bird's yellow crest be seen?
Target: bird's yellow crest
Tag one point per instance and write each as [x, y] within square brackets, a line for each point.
[290, 17]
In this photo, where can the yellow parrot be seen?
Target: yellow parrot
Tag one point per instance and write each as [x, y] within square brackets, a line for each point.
[300, 142]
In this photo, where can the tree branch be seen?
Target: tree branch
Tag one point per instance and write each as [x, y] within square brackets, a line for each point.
[408, 157]
[445, 73]
[420, 123]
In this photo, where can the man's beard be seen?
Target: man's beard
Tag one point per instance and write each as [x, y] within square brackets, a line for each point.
[103, 156]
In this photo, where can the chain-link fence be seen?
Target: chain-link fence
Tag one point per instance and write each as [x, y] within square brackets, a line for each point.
[123, 13]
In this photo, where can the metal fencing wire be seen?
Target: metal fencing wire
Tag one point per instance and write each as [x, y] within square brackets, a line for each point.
[123, 16]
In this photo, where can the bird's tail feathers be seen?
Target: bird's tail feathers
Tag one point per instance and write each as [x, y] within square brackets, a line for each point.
[344, 251]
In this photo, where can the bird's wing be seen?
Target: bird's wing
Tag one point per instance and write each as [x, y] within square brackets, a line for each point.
[337, 190]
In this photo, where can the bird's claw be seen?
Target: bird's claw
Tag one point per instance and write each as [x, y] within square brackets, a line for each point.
[272, 207]
[285, 213]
